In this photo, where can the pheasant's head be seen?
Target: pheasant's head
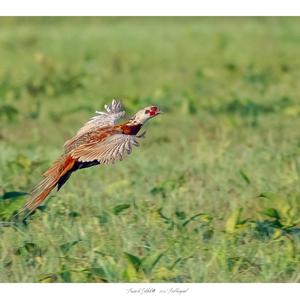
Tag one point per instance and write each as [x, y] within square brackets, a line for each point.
[143, 115]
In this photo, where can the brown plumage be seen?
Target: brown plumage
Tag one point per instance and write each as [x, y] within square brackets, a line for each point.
[99, 141]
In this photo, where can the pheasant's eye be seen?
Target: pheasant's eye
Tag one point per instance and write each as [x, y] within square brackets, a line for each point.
[147, 111]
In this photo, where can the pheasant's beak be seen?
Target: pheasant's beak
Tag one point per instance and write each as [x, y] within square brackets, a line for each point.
[159, 112]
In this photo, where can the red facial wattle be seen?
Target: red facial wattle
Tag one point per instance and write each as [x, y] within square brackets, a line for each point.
[153, 111]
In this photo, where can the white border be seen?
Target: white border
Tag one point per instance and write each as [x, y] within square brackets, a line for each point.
[150, 8]
[142, 290]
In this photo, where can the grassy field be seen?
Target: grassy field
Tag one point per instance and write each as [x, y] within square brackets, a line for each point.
[212, 194]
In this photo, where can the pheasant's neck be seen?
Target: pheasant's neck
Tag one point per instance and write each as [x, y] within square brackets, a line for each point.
[131, 127]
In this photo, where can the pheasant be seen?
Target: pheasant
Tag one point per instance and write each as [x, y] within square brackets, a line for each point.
[100, 141]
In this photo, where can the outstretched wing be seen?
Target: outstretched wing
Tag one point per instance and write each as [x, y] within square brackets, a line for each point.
[114, 111]
[114, 148]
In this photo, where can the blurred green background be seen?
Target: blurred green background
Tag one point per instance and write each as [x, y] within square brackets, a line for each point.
[212, 194]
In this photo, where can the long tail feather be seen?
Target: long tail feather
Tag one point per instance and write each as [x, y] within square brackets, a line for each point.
[35, 201]
[44, 187]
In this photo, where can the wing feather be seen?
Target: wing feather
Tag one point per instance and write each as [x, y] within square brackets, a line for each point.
[109, 118]
[114, 111]
[114, 148]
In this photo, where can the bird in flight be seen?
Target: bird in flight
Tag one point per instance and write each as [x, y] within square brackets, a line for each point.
[100, 141]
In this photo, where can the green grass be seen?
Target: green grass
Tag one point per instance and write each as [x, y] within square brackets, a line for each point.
[212, 194]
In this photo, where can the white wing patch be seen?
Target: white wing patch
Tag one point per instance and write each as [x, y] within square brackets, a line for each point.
[114, 148]
[114, 111]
